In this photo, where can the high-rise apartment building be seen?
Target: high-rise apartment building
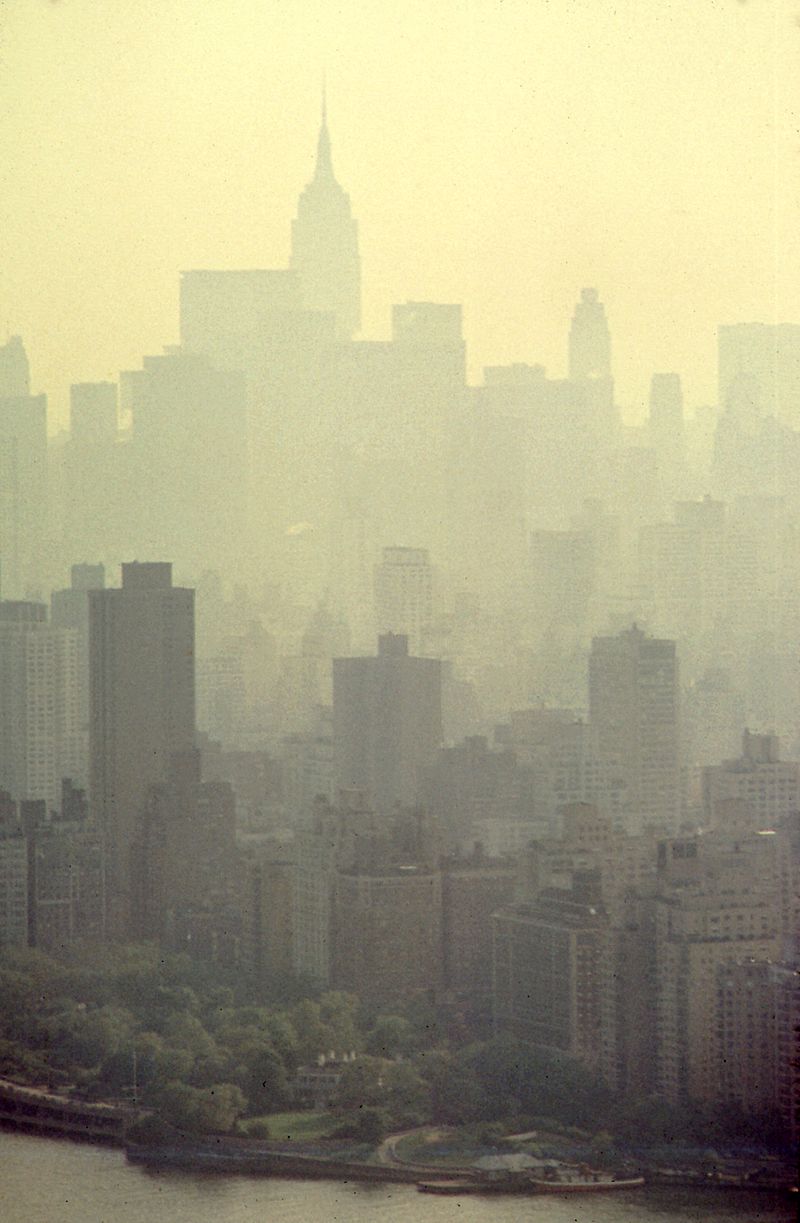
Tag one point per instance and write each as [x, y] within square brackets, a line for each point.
[40, 740]
[367, 910]
[404, 594]
[758, 1046]
[387, 722]
[142, 709]
[268, 874]
[546, 970]
[474, 887]
[386, 916]
[14, 870]
[767, 787]
[183, 859]
[716, 904]
[65, 892]
[634, 700]
[69, 609]
[317, 849]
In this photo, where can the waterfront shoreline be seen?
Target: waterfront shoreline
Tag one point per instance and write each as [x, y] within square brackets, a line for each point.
[42, 1113]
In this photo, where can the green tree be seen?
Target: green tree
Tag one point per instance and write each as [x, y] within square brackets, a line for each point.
[407, 1097]
[85, 1037]
[210, 1110]
[183, 1030]
[173, 1065]
[391, 1036]
[218, 1108]
[367, 1125]
[362, 1084]
[263, 1079]
[457, 1097]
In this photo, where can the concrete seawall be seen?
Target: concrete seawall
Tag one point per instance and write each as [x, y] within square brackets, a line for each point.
[38, 1110]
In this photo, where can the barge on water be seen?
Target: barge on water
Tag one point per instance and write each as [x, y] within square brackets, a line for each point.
[564, 1180]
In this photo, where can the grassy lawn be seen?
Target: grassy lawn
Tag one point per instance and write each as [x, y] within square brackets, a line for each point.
[302, 1126]
[431, 1148]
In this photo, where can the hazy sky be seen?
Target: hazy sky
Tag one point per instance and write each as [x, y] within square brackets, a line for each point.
[498, 153]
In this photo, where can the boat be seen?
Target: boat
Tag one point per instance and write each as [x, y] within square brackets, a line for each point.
[582, 1182]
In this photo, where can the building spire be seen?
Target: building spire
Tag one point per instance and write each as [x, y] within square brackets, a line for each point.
[324, 167]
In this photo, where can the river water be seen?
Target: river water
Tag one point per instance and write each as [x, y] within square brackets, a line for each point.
[56, 1181]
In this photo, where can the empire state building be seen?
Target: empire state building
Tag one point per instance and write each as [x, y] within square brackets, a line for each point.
[325, 244]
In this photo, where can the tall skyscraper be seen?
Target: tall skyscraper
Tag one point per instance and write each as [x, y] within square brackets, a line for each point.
[14, 369]
[387, 722]
[589, 339]
[325, 244]
[142, 710]
[634, 715]
[23, 480]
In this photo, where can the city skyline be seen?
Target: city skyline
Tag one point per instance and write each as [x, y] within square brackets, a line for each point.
[501, 156]
[405, 632]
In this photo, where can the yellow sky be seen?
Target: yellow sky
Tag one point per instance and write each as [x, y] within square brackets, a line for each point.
[500, 153]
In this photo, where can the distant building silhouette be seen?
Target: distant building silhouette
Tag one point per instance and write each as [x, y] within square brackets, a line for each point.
[756, 791]
[325, 244]
[188, 458]
[665, 427]
[23, 474]
[404, 594]
[222, 312]
[589, 339]
[768, 355]
[14, 369]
